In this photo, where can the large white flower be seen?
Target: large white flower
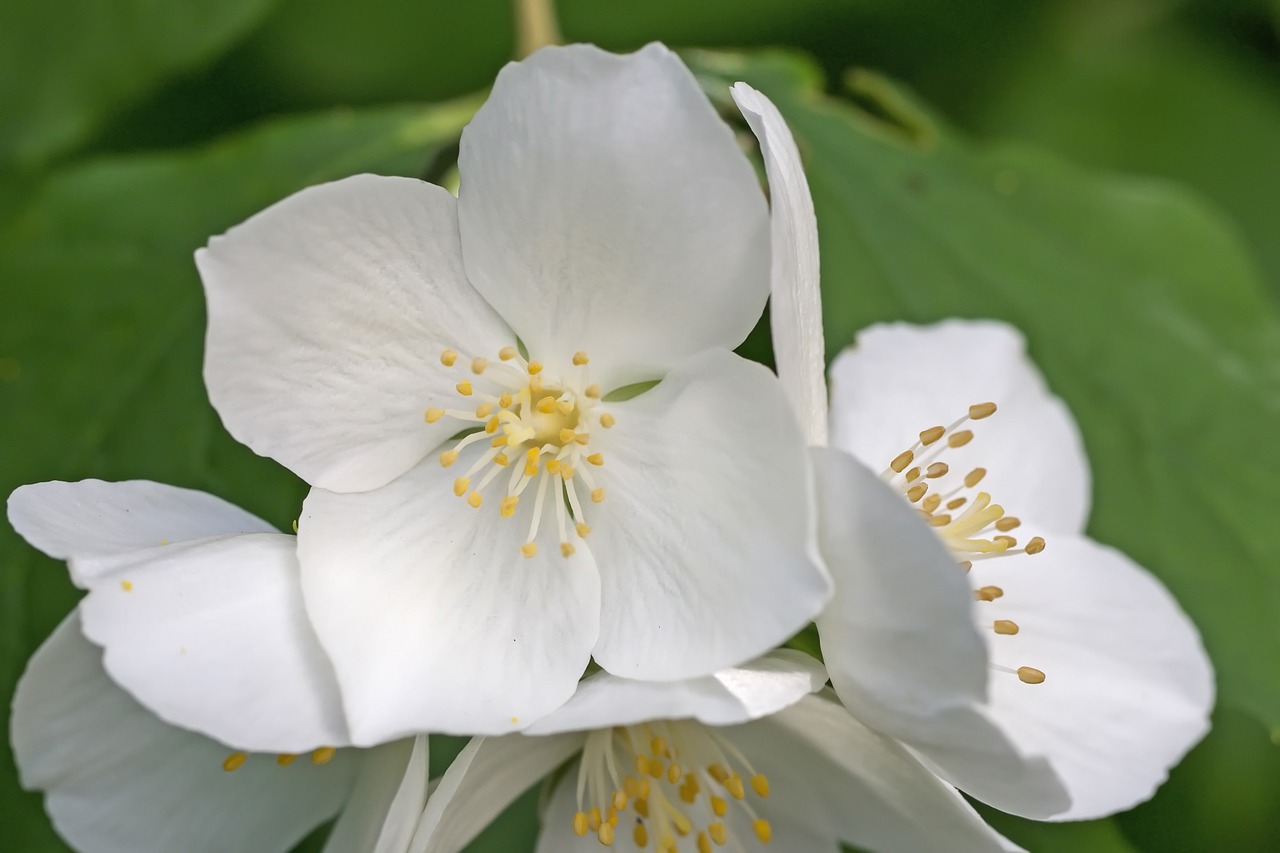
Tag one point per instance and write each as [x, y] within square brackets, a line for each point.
[119, 780]
[487, 514]
[747, 759]
[973, 620]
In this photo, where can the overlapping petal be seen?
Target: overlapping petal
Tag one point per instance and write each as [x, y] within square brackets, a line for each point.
[386, 803]
[891, 385]
[431, 616]
[118, 780]
[703, 541]
[605, 207]
[327, 315]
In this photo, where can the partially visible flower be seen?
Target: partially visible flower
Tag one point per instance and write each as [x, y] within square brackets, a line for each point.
[486, 515]
[1033, 668]
[747, 759]
[117, 779]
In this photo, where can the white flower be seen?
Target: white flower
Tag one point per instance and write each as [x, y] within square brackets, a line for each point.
[608, 232]
[1047, 675]
[199, 608]
[746, 758]
[118, 780]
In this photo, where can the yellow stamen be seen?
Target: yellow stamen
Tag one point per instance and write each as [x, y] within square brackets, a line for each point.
[567, 435]
[580, 358]
[960, 439]
[901, 461]
[763, 830]
[607, 420]
[234, 761]
[940, 520]
[640, 835]
[931, 503]
[323, 755]
[1007, 523]
[460, 486]
[931, 435]
[505, 400]
[580, 824]
[982, 410]
[553, 466]
[507, 353]
[594, 819]
[704, 843]
[719, 805]
[475, 499]
[504, 441]
[735, 787]
[478, 365]
[284, 759]
[760, 784]
[1035, 546]
[974, 477]
[956, 503]
[491, 426]
[605, 834]
[718, 832]
[596, 458]
[448, 458]
[127, 586]
[989, 593]
[483, 410]
[1004, 626]
[1030, 675]
[567, 549]
[566, 471]
[936, 470]
[535, 367]
[433, 415]
[529, 549]
[583, 530]
[916, 492]
[507, 507]
[448, 357]
[592, 391]
[464, 388]
[501, 460]
[597, 495]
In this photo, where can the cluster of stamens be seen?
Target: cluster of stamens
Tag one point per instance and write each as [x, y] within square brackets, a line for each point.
[972, 527]
[679, 778]
[236, 760]
[538, 429]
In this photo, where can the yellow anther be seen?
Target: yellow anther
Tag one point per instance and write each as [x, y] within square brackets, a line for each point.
[642, 807]
[501, 460]
[433, 415]
[567, 549]
[535, 367]
[448, 357]
[1030, 675]
[592, 391]
[284, 759]
[631, 787]
[674, 773]
[940, 520]
[715, 771]
[1004, 626]
[594, 818]
[448, 458]
[580, 358]
[735, 787]
[504, 441]
[762, 830]
[719, 805]
[916, 492]
[656, 768]
[505, 400]
[553, 466]
[956, 503]
[688, 792]
[931, 503]
[682, 824]
[1004, 543]
[475, 499]
[529, 549]
[1035, 546]
[932, 434]
[127, 586]
[483, 410]
[323, 755]
[564, 407]
[567, 435]
[704, 843]
[547, 405]
[960, 439]
[640, 836]
[464, 388]
[607, 420]
[605, 834]
[913, 474]
[936, 470]
[507, 353]
[491, 426]
[535, 384]
[596, 458]
[234, 761]
[478, 365]
[619, 800]
[507, 507]
[566, 472]
[583, 530]
[901, 461]
[760, 784]
[974, 477]
[982, 410]
[988, 593]
[597, 495]
[1007, 523]
[718, 832]
[460, 486]
[580, 824]
[966, 565]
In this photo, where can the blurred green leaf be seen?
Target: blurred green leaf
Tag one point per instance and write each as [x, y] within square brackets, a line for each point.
[62, 73]
[101, 339]
[1095, 836]
[1140, 305]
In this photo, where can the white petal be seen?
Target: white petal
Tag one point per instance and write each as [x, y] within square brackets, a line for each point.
[1128, 687]
[328, 313]
[118, 780]
[433, 619]
[92, 521]
[390, 794]
[795, 301]
[483, 780]
[763, 686]
[838, 779]
[212, 636]
[899, 379]
[899, 640]
[605, 207]
[704, 538]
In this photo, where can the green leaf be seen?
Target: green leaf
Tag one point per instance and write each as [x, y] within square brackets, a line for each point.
[101, 340]
[1139, 303]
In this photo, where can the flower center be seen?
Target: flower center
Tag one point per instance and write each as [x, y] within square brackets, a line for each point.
[678, 777]
[538, 429]
[970, 525]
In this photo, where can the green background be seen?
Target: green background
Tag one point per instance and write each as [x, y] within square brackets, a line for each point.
[1103, 173]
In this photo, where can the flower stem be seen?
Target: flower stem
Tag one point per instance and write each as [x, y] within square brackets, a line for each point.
[535, 26]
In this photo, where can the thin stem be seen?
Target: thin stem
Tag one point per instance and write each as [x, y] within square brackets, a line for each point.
[535, 26]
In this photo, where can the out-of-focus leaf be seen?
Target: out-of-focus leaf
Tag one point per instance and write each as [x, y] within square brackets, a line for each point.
[1140, 305]
[65, 66]
[101, 340]
[1156, 101]
[1094, 836]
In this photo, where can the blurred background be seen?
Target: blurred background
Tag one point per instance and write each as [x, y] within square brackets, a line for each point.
[1103, 173]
